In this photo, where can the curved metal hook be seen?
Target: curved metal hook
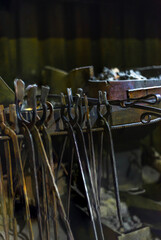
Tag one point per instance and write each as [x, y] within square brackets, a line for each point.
[19, 86]
[149, 99]
[108, 106]
[50, 107]
[102, 100]
[63, 106]
[72, 119]
[146, 117]
[31, 99]
[43, 98]
[100, 96]
[80, 110]
[32, 102]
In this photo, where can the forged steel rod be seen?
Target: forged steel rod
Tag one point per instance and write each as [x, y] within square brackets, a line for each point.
[100, 166]
[104, 123]
[38, 142]
[70, 182]
[48, 147]
[91, 146]
[45, 203]
[29, 142]
[14, 111]
[45, 162]
[61, 157]
[73, 138]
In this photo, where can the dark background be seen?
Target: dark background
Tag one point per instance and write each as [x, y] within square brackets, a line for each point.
[73, 33]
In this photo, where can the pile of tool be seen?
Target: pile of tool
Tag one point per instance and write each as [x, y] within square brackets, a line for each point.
[116, 74]
[29, 168]
[27, 152]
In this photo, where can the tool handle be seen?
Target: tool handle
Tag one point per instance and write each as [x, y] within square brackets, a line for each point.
[31, 96]
[19, 89]
[44, 94]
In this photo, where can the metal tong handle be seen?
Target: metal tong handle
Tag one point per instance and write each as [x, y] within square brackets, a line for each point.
[103, 100]
[43, 99]
[19, 90]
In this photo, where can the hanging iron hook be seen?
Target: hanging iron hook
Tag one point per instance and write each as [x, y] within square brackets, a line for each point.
[32, 103]
[31, 100]
[80, 109]
[73, 119]
[103, 100]
[19, 86]
[148, 99]
[43, 99]
[50, 107]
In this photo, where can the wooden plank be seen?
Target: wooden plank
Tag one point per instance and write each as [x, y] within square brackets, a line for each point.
[117, 89]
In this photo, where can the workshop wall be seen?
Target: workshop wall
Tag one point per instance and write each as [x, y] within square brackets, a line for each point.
[72, 33]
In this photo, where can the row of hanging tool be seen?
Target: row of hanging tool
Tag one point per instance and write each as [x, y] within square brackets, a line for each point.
[27, 150]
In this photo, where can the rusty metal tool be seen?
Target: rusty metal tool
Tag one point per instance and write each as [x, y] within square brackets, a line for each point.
[83, 161]
[143, 103]
[32, 102]
[70, 181]
[38, 141]
[100, 166]
[104, 123]
[32, 160]
[61, 158]
[20, 88]
[31, 99]
[9, 132]
[45, 162]
[48, 146]
[91, 146]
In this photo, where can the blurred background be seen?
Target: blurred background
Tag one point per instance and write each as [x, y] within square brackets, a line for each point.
[72, 33]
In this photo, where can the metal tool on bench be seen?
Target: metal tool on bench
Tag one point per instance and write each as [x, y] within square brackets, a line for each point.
[82, 157]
